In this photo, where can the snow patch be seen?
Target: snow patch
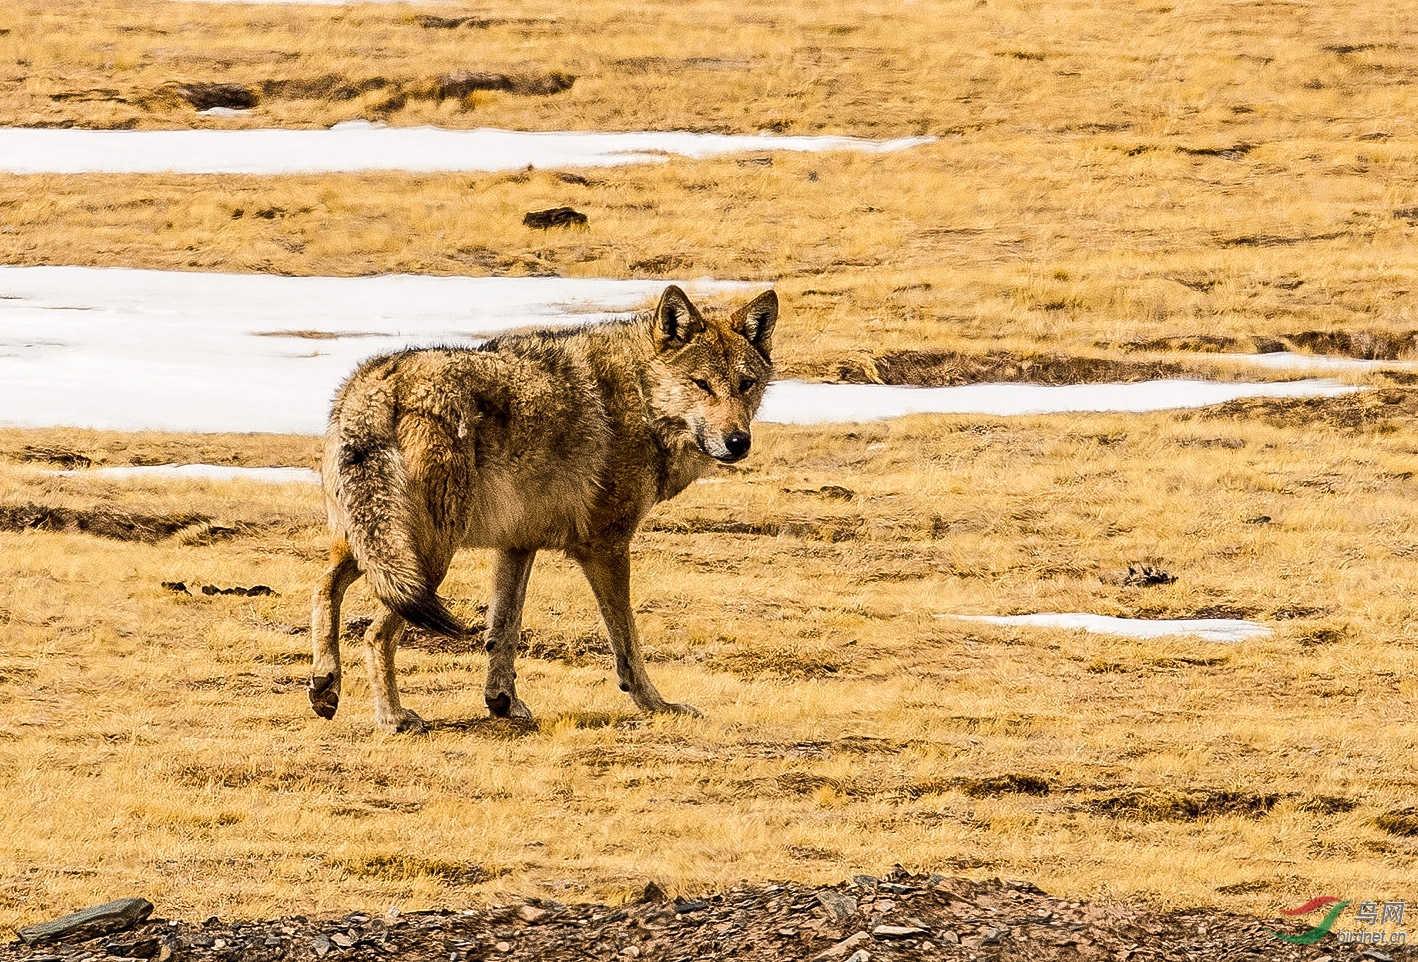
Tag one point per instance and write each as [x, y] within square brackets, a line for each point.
[1225, 630]
[1294, 361]
[131, 350]
[203, 472]
[800, 402]
[359, 145]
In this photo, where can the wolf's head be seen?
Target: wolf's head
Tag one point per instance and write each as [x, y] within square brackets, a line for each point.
[710, 372]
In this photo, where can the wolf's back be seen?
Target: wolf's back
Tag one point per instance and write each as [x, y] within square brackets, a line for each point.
[372, 502]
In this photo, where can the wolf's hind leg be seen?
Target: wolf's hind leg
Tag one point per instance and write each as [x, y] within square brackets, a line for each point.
[504, 633]
[324, 688]
[383, 640]
[609, 575]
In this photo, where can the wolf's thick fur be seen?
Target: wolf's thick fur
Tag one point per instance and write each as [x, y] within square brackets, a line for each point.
[554, 439]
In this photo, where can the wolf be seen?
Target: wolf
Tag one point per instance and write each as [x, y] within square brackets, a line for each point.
[560, 440]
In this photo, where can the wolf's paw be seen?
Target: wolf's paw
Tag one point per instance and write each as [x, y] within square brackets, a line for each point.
[503, 705]
[324, 695]
[402, 721]
[671, 708]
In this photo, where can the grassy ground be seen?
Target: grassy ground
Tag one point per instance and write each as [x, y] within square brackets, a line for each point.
[161, 742]
[1111, 182]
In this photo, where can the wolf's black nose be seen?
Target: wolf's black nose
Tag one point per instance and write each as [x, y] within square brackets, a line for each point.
[737, 443]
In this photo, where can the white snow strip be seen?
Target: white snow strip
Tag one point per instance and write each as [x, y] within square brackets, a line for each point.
[130, 350]
[800, 402]
[1227, 630]
[359, 145]
[203, 472]
[1294, 361]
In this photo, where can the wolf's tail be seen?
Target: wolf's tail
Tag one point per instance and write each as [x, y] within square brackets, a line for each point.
[385, 523]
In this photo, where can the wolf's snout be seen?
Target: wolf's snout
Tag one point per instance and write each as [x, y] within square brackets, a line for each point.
[737, 444]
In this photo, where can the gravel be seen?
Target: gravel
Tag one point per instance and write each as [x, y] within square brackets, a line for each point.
[899, 917]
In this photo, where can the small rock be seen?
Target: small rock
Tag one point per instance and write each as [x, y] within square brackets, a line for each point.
[996, 934]
[840, 950]
[89, 923]
[865, 881]
[342, 939]
[684, 908]
[839, 907]
[861, 955]
[653, 893]
[531, 913]
[885, 905]
[898, 931]
[1376, 955]
[503, 947]
[950, 937]
[631, 951]
[788, 933]
[322, 946]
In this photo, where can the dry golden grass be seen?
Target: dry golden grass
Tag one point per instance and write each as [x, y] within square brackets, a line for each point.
[1111, 180]
[162, 742]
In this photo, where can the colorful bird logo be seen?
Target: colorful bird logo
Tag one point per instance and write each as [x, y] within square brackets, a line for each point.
[1319, 931]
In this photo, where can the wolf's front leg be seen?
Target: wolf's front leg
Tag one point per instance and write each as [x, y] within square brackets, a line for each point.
[609, 575]
[504, 633]
[383, 639]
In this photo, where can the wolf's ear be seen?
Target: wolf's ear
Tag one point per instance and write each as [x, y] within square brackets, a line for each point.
[755, 321]
[676, 320]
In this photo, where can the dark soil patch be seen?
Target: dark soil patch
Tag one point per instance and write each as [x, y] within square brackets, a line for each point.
[429, 22]
[394, 92]
[929, 917]
[1234, 152]
[811, 529]
[662, 264]
[63, 457]
[947, 368]
[1156, 805]
[205, 96]
[1328, 805]
[1400, 821]
[105, 523]
[1367, 345]
[461, 83]
[554, 217]
[1384, 409]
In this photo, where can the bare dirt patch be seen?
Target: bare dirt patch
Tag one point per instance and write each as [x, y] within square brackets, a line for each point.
[104, 523]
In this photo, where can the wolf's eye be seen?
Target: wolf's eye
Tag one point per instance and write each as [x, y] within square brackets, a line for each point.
[746, 385]
[703, 385]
